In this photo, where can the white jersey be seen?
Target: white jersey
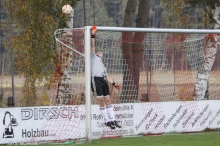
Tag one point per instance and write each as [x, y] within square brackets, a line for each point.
[97, 67]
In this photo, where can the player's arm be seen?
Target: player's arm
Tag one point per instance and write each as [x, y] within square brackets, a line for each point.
[93, 33]
[110, 80]
[92, 45]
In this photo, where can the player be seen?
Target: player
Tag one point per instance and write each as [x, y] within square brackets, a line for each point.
[99, 84]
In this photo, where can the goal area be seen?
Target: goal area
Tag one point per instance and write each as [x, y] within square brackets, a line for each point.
[169, 84]
[166, 76]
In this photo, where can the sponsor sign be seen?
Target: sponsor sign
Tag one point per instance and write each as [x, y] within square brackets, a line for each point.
[48, 123]
[24, 124]
[124, 114]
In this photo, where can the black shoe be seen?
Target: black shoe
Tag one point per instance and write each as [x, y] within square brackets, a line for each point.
[116, 124]
[110, 124]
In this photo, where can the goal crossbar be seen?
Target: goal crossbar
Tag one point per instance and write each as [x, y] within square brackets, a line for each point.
[155, 30]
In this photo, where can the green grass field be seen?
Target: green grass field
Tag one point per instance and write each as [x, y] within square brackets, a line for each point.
[196, 139]
[192, 139]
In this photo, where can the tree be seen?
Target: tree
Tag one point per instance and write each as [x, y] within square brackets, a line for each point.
[33, 42]
[132, 48]
[211, 7]
[210, 19]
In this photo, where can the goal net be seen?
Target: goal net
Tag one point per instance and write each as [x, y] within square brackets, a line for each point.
[152, 67]
[149, 66]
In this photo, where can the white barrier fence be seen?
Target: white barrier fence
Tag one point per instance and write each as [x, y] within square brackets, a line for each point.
[60, 123]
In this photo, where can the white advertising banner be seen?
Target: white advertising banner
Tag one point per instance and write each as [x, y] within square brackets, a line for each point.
[46, 123]
[124, 114]
[58, 123]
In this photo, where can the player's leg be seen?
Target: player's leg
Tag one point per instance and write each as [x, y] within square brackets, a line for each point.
[110, 111]
[98, 92]
[103, 111]
[109, 106]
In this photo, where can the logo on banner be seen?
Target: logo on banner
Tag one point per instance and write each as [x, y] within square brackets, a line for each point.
[9, 122]
[49, 113]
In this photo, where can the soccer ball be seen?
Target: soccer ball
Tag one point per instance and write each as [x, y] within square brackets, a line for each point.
[67, 9]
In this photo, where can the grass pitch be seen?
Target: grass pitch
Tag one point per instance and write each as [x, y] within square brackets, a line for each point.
[196, 139]
[192, 139]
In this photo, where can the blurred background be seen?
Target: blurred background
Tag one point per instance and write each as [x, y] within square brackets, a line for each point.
[27, 27]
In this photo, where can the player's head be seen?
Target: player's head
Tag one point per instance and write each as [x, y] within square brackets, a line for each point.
[99, 54]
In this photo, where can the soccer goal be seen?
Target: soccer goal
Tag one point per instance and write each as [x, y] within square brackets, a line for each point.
[150, 64]
[153, 66]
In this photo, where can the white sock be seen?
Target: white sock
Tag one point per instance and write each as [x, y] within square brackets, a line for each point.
[110, 112]
[104, 114]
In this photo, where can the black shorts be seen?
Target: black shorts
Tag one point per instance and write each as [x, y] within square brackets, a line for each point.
[100, 86]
